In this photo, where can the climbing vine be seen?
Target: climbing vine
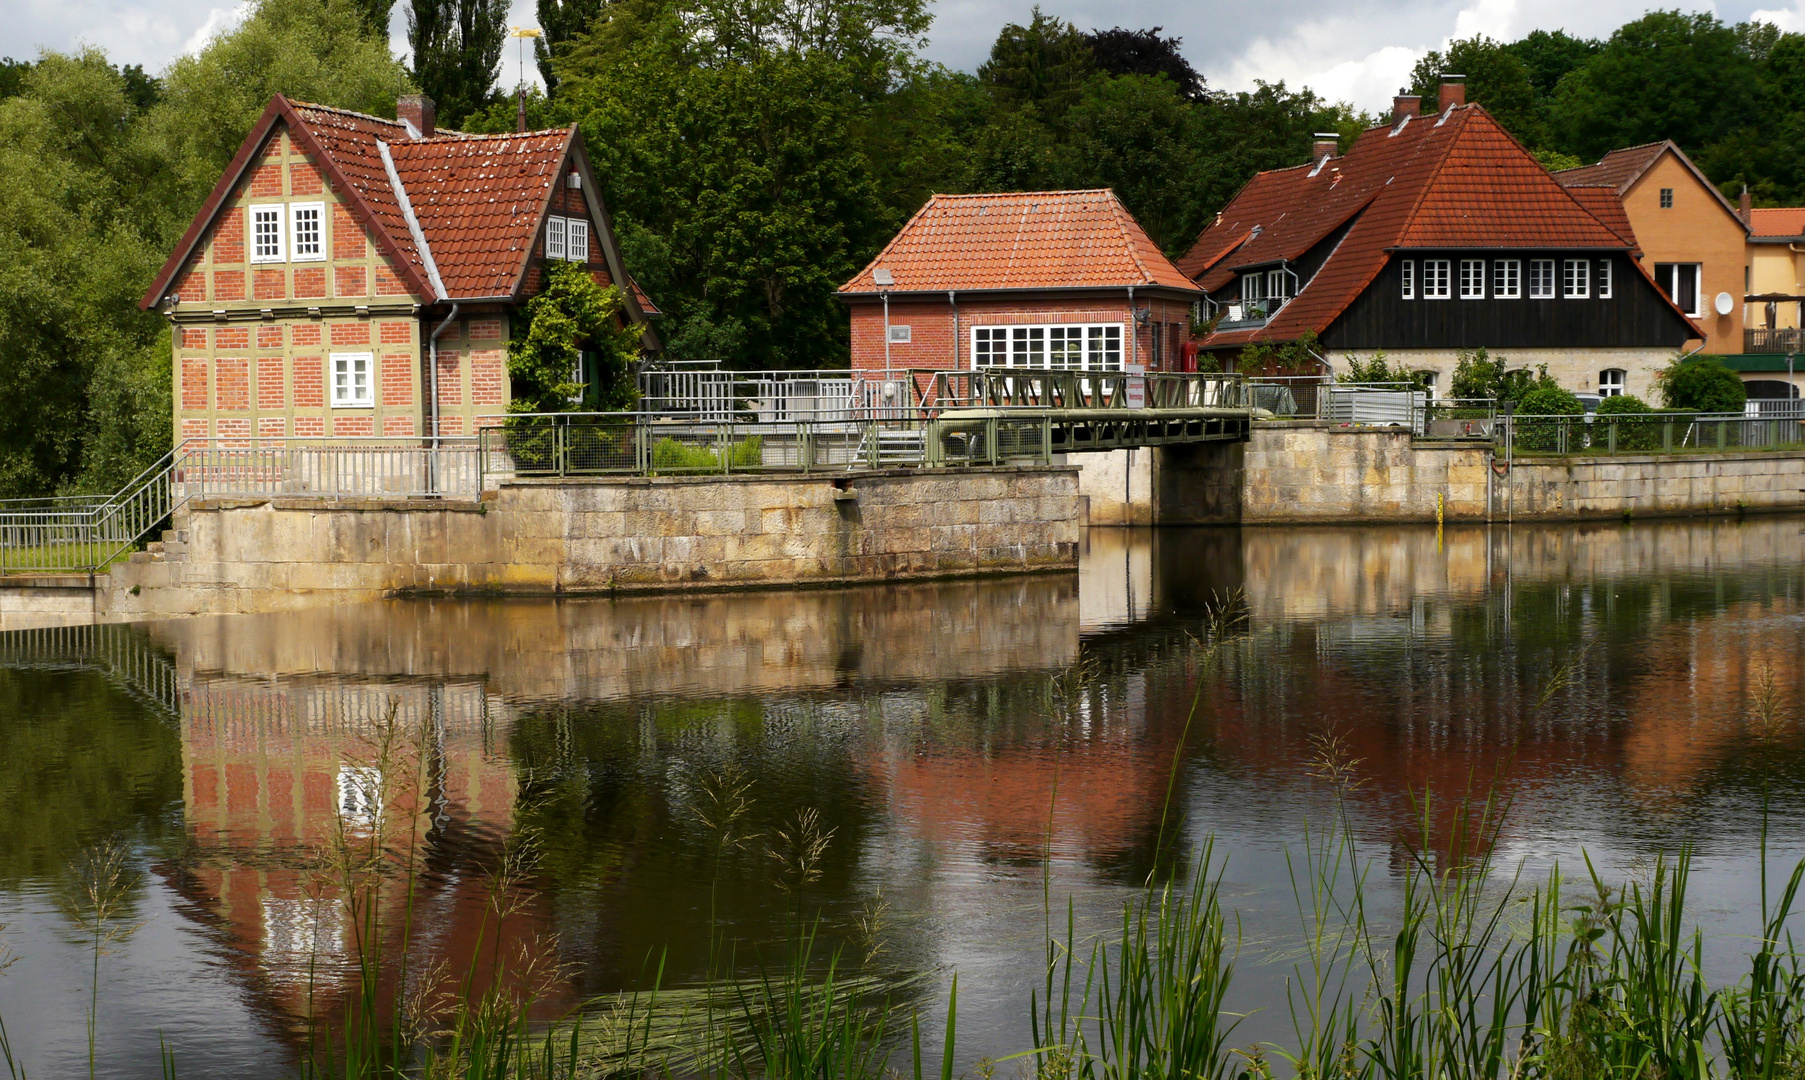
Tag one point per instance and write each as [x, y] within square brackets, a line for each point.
[575, 351]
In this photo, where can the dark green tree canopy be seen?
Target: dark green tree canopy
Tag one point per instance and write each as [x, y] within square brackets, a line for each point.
[1145, 52]
[457, 52]
[1043, 65]
[1701, 382]
[1496, 78]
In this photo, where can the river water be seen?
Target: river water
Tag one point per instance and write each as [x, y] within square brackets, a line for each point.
[615, 776]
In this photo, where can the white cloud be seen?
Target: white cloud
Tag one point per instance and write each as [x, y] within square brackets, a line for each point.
[1792, 20]
[219, 20]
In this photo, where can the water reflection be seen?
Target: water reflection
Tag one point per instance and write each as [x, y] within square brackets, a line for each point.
[1625, 688]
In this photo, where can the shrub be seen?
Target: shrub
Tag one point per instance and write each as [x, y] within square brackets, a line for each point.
[1548, 400]
[1701, 382]
[1641, 433]
[669, 455]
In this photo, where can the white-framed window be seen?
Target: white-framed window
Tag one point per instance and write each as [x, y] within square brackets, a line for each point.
[1667, 198]
[1507, 279]
[1681, 281]
[1604, 279]
[1610, 382]
[352, 380]
[576, 248]
[266, 234]
[1278, 285]
[307, 231]
[1253, 288]
[1055, 347]
[555, 234]
[1576, 279]
[1407, 274]
[1541, 279]
[1472, 279]
[901, 335]
[1437, 279]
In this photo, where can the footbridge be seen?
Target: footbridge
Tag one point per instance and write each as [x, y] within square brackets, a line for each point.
[688, 422]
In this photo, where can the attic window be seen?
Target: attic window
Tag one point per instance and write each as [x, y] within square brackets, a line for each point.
[1667, 198]
[554, 237]
[266, 234]
[307, 228]
[567, 238]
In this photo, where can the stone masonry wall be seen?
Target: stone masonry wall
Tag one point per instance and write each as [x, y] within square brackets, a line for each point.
[609, 536]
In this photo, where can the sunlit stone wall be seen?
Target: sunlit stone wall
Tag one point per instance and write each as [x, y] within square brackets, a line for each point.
[612, 536]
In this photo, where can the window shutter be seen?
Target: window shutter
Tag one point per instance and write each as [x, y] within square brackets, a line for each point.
[577, 242]
[554, 237]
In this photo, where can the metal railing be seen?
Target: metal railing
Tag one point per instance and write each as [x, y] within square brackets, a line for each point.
[1014, 388]
[1649, 433]
[86, 535]
[764, 396]
[1772, 339]
[1458, 418]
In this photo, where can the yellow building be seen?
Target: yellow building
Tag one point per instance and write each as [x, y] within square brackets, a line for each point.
[1691, 239]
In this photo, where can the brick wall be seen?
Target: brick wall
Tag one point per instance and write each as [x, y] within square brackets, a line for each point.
[931, 324]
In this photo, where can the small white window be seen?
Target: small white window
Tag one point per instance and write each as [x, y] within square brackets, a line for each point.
[1604, 279]
[266, 234]
[1576, 279]
[989, 347]
[1253, 288]
[900, 335]
[351, 381]
[1472, 279]
[577, 239]
[554, 237]
[1407, 273]
[1060, 347]
[1541, 279]
[1437, 279]
[1507, 280]
[307, 228]
[1610, 382]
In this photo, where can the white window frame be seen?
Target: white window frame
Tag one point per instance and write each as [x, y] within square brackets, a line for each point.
[576, 239]
[275, 214]
[1611, 382]
[1541, 279]
[1407, 273]
[350, 394]
[1049, 346]
[1604, 279]
[1576, 279]
[1507, 279]
[1438, 279]
[298, 252]
[1472, 279]
[555, 233]
[1253, 287]
[1672, 287]
[901, 334]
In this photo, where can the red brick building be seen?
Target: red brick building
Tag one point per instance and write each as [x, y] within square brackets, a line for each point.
[1048, 279]
[345, 266]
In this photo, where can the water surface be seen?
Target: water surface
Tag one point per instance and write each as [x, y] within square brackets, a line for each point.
[975, 752]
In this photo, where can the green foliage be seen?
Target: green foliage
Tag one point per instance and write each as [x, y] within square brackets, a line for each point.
[457, 53]
[1619, 404]
[1300, 357]
[1637, 434]
[1042, 66]
[1549, 401]
[1497, 78]
[560, 21]
[573, 330]
[1701, 382]
[669, 455]
[1144, 52]
[1478, 374]
[1377, 368]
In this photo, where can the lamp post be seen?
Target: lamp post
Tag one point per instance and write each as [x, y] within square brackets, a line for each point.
[521, 33]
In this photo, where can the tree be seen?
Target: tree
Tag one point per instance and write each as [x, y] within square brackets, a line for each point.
[573, 348]
[374, 14]
[457, 52]
[1043, 65]
[1548, 55]
[1236, 135]
[560, 21]
[307, 49]
[1144, 52]
[1667, 75]
[1478, 375]
[1129, 132]
[1496, 79]
[1703, 383]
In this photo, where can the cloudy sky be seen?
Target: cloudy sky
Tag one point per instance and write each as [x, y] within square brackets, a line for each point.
[1349, 50]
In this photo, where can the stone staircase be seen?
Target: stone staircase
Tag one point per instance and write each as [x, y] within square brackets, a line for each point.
[172, 548]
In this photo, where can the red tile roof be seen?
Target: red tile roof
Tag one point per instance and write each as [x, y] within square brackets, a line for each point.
[1620, 169]
[479, 199]
[1024, 240]
[1778, 221]
[1456, 180]
[1607, 206]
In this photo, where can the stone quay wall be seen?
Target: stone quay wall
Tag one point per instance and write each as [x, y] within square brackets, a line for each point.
[1295, 472]
[607, 536]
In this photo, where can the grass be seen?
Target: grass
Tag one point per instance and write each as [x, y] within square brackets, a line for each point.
[669, 455]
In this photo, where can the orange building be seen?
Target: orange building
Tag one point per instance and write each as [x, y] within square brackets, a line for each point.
[1689, 236]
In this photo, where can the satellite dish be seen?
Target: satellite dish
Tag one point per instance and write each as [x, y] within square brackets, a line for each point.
[1724, 303]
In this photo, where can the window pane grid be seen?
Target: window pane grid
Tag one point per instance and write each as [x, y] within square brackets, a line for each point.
[266, 234]
[577, 242]
[1436, 279]
[1541, 279]
[1576, 279]
[1057, 347]
[351, 380]
[554, 238]
[1409, 279]
[1472, 279]
[1507, 279]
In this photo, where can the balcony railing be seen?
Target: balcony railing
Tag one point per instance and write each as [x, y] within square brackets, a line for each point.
[1773, 340]
[1251, 313]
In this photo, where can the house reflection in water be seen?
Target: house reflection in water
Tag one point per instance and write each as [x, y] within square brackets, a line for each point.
[288, 780]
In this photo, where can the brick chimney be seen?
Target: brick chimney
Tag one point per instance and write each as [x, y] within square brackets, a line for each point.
[1406, 105]
[416, 109]
[1325, 144]
[1453, 90]
[1746, 205]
